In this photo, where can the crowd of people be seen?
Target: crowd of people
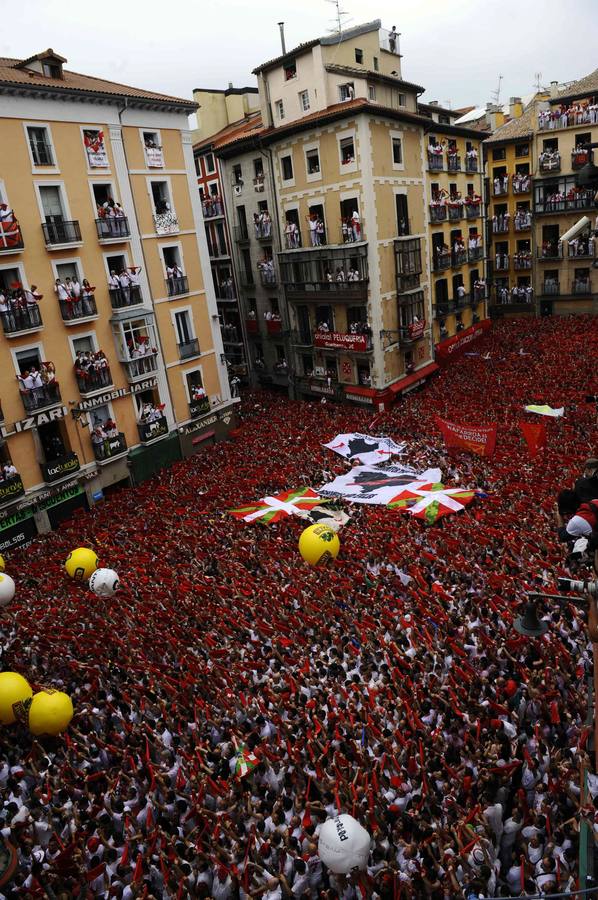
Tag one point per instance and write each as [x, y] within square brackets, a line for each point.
[112, 220]
[521, 182]
[563, 116]
[523, 219]
[76, 298]
[19, 307]
[390, 685]
[262, 224]
[92, 370]
[519, 293]
[38, 385]
[124, 286]
[212, 206]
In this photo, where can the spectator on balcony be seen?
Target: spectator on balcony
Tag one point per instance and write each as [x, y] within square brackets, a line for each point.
[99, 440]
[32, 298]
[265, 224]
[9, 471]
[124, 280]
[324, 327]
[74, 289]
[64, 298]
[353, 274]
[87, 298]
[252, 315]
[6, 311]
[435, 149]
[6, 214]
[356, 225]
[461, 295]
[346, 230]
[266, 267]
[257, 225]
[174, 274]
[291, 233]
[339, 275]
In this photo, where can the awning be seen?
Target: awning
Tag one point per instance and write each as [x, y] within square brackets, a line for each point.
[361, 391]
[404, 384]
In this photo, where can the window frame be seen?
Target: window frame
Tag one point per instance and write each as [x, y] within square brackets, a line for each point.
[307, 149]
[397, 136]
[279, 107]
[341, 137]
[303, 95]
[53, 169]
[286, 182]
[93, 170]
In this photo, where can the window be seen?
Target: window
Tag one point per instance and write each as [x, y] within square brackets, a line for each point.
[346, 91]
[152, 144]
[408, 258]
[402, 215]
[40, 146]
[237, 174]
[95, 148]
[499, 153]
[304, 100]
[287, 168]
[397, 151]
[402, 99]
[184, 330]
[209, 163]
[51, 198]
[290, 70]
[443, 120]
[347, 146]
[280, 109]
[161, 197]
[313, 162]
[258, 167]
[522, 150]
[358, 56]
[198, 172]
[376, 64]
[371, 92]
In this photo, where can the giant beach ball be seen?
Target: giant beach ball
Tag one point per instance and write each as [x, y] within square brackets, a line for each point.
[343, 844]
[13, 689]
[2, 564]
[104, 582]
[50, 712]
[318, 543]
[7, 589]
[81, 563]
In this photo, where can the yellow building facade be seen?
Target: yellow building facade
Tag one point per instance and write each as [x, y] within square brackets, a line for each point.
[110, 363]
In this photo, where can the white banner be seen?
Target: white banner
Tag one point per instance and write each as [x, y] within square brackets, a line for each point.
[366, 484]
[367, 450]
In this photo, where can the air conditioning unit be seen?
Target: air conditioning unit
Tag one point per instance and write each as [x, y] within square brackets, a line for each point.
[238, 190]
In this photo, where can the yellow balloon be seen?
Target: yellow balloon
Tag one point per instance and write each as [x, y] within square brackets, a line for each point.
[318, 543]
[50, 712]
[2, 564]
[81, 563]
[13, 688]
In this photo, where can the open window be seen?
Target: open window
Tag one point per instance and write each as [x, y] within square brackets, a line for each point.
[346, 91]
[95, 148]
[347, 151]
[165, 220]
[152, 144]
[40, 145]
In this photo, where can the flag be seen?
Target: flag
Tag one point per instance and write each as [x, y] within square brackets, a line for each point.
[273, 509]
[431, 502]
[545, 410]
[245, 761]
[535, 436]
[367, 450]
[320, 515]
[367, 484]
[480, 439]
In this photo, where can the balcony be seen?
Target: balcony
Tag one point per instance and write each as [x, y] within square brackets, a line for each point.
[230, 334]
[57, 234]
[501, 263]
[328, 291]
[479, 294]
[551, 288]
[462, 302]
[409, 334]
[292, 239]
[199, 406]
[141, 366]
[154, 157]
[212, 208]
[550, 162]
[580, 158]
[10, 489]
[216, 252]
[555, 119]
[35, 399]
[252, 326]
[93, 379]
[455, 212]
[444, 309]
[435, 162]
[459, 257]
[80, 310]
[437, 213]
[187, 349]
[556, 203]
[523, 221]
[471, 164]
[441, 260]
[453, 162]
[345, 342]
[550, 251]
[125, 297]
[61, 467]
[109, 447]
[581, 249]
[150, 431]
[19, 320]
[581, 286]
[475, 253]
[176, 286]
[274, 326]
[166, 223]
[263, 230]
[268, 277]
[113, 230]
[225, 291]
[500, 186]
[522, 184]
[11, 237]
[240, 234]
[473, 210]
[500, 226]
[522, 261]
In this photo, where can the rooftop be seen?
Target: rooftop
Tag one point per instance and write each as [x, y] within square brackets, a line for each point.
[586, 85]
[374, 76]
[521, 127]
[250, 126]
[327, 40]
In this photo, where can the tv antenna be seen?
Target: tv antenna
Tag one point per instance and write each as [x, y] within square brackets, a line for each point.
[538, 81]
[495, 95]
[340, 16]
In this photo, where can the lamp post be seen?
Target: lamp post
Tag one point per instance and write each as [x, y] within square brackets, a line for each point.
[529, 625]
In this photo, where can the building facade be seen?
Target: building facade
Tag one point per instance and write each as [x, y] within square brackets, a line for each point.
[110, 361]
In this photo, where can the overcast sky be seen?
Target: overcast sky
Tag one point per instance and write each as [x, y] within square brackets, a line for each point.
[456, 49]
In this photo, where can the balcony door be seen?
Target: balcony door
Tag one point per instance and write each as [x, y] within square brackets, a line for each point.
[402, 215]
[52, 203]
[303, 323]
[183, 327]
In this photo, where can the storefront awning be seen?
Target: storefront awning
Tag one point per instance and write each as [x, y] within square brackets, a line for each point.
[361, 391]
[399, 387]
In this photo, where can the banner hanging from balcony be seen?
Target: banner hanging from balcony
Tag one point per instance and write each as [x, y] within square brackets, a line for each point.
[479, 439]
[455, 346]
[273, 509]
[336, 340]
[97, 155]
[416, 330]
[367, 450]
[366, 484]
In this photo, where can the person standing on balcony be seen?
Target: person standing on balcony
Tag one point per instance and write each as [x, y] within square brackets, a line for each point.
[392, 39]
[124, 281]
[64, 298]
[256, 225]
[356, 225]
[312, 221]
[118, 213]
[74, 289]
[87, 292]
[6, 315]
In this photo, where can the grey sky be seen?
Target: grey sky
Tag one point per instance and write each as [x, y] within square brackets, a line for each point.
[455, 49]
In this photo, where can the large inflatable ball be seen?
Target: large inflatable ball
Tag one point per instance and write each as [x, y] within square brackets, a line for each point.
[2, 564]
[318, 543]
[50, 712]
[81, 563]
[13, 689]
[104, 582]
[7, 589]
[343, 844]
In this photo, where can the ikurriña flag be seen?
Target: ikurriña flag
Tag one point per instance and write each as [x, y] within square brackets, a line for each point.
[535, 436]
[480, 439]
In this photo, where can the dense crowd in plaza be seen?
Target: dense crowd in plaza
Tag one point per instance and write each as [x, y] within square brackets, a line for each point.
[390, 685]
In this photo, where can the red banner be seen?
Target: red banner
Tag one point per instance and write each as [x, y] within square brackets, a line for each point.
[480, 439]
[455, 346]
[335, 340]
[416, 330]
[535, 436]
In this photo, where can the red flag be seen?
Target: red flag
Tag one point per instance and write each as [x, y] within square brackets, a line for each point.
[480, 439]
[138, 873]
[535, 436]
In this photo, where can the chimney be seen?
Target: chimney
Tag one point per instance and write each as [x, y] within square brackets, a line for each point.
[282, 43]
[515, 107]
[230, 85]
[433, 103]
[494, 116]
[554, 89]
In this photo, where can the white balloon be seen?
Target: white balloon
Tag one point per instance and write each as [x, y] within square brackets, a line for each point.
[7, 589]
[104, 582]
[343, 844]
